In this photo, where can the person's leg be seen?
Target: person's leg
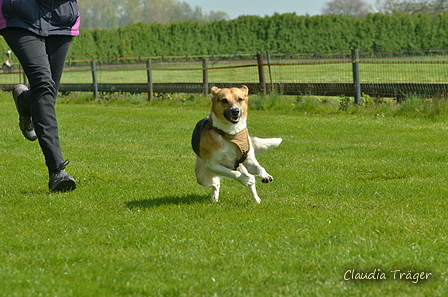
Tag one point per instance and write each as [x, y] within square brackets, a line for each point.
[57, 50]
[43, 61]
[31, 51]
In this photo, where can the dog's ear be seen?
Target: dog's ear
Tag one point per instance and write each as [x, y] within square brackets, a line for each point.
[245, 90]
[215, 90]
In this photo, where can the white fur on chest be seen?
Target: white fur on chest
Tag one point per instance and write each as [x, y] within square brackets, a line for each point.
[229, 154]
[228, 127]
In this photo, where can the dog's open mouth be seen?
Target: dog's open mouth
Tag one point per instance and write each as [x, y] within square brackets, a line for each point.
[235, 120]
[232, 119]
[233, 116]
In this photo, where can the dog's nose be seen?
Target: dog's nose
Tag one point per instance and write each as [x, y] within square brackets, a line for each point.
[234, 111]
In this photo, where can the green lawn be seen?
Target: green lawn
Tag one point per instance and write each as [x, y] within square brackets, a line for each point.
[360, 192]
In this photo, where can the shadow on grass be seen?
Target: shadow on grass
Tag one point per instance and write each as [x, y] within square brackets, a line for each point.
[168, 200]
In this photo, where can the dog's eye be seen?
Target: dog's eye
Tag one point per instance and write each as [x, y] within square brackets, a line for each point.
[224, 101]
[240, 99]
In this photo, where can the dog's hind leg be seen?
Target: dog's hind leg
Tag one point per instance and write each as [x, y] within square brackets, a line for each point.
[253, 191]
[207, 178]
[216, 184]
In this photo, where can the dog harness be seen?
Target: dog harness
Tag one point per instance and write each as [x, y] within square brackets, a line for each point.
[241, 139]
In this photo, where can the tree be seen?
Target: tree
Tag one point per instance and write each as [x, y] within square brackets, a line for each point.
[218, 16]
[109, 14]
[182, 11]
[99, 14]
[432, 8]
[353, 8]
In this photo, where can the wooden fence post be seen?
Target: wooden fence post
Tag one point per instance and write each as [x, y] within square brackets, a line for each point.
[150, 84]
[205, 76]
[268, 56]
[95, 82]
[356, 76]
[261, 73]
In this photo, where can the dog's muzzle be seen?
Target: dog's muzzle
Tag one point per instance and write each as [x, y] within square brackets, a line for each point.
[233, 114]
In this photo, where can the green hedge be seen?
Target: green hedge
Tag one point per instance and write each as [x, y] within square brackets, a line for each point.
[280, 33]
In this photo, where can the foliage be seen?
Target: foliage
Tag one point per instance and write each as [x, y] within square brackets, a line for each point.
[353, 8]
[280, 33]
[432, 7]
[110, 14]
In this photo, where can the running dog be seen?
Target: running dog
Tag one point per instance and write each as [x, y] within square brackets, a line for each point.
[223, 145]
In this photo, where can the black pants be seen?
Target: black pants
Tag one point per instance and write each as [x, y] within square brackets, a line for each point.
[42, 59]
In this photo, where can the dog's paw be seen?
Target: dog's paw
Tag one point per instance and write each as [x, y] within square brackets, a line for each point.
[266, 179]
[247, 180]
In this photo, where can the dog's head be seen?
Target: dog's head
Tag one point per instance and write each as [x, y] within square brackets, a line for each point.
[230, 105]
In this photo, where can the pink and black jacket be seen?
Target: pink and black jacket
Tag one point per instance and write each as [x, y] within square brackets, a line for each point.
[42, 17]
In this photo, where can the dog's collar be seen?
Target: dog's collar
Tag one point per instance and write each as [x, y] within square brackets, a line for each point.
[241, 139]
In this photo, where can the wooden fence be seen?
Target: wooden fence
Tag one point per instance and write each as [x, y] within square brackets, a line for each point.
[265, 84]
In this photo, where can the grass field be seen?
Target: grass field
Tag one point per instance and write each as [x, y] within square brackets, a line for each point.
[357, 192]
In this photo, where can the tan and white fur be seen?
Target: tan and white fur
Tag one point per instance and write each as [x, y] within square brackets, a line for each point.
[217, 156]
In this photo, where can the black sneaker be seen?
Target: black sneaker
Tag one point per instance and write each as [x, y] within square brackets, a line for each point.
[61, 181]
[25, 121]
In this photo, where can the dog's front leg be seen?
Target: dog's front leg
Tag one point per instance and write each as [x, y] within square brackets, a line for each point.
[256, 169]
[251, 187]
[244, 178]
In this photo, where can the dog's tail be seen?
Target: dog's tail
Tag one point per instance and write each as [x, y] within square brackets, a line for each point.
[263, 144]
